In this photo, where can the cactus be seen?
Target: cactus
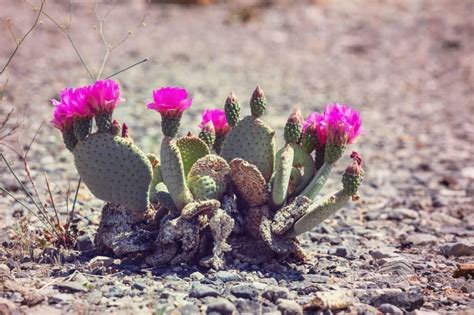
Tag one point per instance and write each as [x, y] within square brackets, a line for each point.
[253, 141]
[114, 169]
[191, 148]
[232, 109]
[172, 172]
[246, 199]
[208, 177]
[249, 183]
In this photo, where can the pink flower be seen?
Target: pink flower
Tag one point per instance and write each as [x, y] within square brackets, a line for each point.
[315, 122]
[61, 117]
[103, 96]
[218, 119]
[170, 101]
[72, 105]
[343, 123]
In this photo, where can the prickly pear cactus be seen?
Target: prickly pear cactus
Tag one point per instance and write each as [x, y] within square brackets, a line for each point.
[172, 172]
[252, 140]
[208, 177]
[114, 169]
[191, 148]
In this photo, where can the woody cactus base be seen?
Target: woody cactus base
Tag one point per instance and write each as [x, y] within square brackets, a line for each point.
[227, 193]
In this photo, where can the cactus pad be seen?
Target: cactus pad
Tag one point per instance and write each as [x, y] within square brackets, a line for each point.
[281, 179]
[172, 172]
[208, 177]
[253, 141]
[191, 148]
[248, 182]
[114, 169]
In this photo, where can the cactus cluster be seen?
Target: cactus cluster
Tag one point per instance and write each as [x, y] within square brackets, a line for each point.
[225, 193]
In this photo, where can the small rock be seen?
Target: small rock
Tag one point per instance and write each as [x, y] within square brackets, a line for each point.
[4, 270]
[289, 307]
[227, 276]
[403, 213]
[274, 293]
[60, 298]
[139, 285]
[71, 287]
[7, 307]
[390, 309]
[101, 261]
[339, 251]
[94, 297]
[422, 239]
[188, 309]
[197, 276]
[245, 291]
[220, 306]
[16, 297]
[457, 250]
[199, 290]
[383, 252]
[84, 243]
[115, 292]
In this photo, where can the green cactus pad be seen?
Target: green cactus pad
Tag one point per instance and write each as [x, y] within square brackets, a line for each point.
[252, 140]
[204, 187]
[191, 148]
[172, 172]
[114, 170]
[281, 179]
[208, 138]
[207, 178]
[303, 161]
[295, 180]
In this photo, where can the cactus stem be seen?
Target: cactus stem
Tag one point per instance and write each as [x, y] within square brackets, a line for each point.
[314, 187]
[318, 212]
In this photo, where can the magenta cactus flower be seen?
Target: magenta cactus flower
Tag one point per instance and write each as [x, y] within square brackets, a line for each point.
[75, 100]
[103, 96]
[343, 124]
[62, 116]
[317, 123]
[170, 101]
[218, 119]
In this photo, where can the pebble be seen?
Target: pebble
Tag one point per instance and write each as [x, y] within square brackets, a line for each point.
[422, 239]
[403, 213]
[220, 306]
[188, 309]
[383, 252]
[338, 251]
[101, 261]
[139, 285]
[71, 287]
[274, 293]
[84, 243]
[199, 290]
[390, 309]
[197, 276]
[457, 250]
[227, 276]
[245, 291]
[289, 307]
[94, 297]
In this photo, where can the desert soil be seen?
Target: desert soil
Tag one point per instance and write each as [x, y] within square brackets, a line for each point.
[408, 66]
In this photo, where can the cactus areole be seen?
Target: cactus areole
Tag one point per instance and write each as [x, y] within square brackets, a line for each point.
[209, 199]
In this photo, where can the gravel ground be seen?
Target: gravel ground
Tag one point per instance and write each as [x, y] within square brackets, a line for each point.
[407, 65]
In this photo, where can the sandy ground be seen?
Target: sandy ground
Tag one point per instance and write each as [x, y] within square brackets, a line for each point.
[407, 65]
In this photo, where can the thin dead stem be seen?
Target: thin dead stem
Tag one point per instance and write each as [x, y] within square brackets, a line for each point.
[22, 39]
